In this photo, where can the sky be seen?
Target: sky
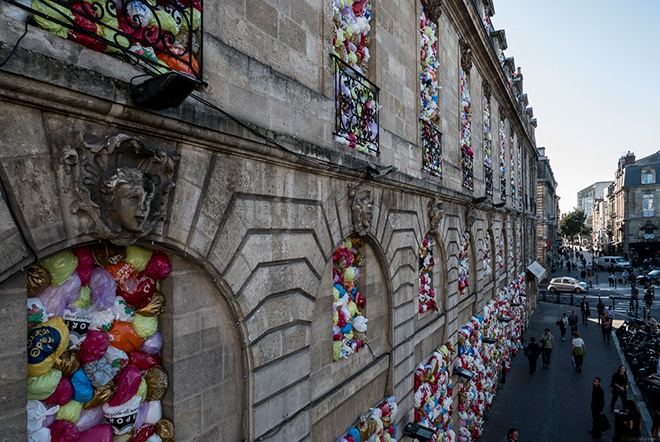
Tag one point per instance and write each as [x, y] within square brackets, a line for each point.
[591, 70]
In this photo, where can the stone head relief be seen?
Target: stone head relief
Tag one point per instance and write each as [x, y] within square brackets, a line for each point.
[121, 185]
[435, 213]
[362, 208]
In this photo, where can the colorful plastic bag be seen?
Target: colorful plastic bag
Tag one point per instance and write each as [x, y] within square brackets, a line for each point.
[85, 264]
[82, 387]
[84, 299]
[64, 431]
[155, 307]
[128, 384]
[124, 337]
[154, 413]
[94, 346]
[45, 343]
[138, 291]
[158, 266]
[153, 344]
[99, 372]
[68, 362]
[145, 326]
[56, 298]
[61, 266]
[101, 395]
[118, 359]
[62, 394]
[138, 257]
[99, 433]
[103, 289]
[37, 413]
[156, 379]
[90, 418]
[70, 412]
[122, 417]
[144, 361]
[36, 312]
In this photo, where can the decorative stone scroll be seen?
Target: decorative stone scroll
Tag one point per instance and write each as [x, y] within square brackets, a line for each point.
[362, 207]
[466, 55]
[120, 184]
[433, 9]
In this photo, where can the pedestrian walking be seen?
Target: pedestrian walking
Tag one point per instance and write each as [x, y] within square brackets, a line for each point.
[634, 298]
[511, 435]
[606, 328]
[632, 424]
[532, 351]
[600, 308]
[562, 322]
[624, 276]
[583, 274]
[568, 265]
[648, 300]
[610, 278]
[655, 429]
[578, 350]
[597, 405]
[619, 386]
[584, 309]
[573, 322]
[547, 342]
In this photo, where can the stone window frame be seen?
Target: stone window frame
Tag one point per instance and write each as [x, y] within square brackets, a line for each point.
[648, 205]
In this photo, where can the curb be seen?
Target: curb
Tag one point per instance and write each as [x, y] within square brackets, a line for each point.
[639, 400]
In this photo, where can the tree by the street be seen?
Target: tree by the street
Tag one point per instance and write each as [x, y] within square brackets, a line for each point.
[573, 223]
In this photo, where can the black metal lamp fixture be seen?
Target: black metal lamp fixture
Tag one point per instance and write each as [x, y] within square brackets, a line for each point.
[463, 373]
[488, 340]
[419, 432]
[163, 92]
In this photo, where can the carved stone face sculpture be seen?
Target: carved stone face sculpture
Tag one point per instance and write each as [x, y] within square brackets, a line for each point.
[127, 195]
[362, 209]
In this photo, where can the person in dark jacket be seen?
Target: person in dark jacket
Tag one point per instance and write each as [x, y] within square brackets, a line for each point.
[619, 386]
[597, 405]
[573, 321]
[532, 351]
[584, 309]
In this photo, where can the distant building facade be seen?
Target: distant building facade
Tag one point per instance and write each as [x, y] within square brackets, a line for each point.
[586, 198]
[547, 209]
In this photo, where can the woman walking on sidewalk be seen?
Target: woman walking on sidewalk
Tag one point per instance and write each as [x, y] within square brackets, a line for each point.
[578, 350]
[606, 327]
[563, 325]
[619, 386]
[632, 426]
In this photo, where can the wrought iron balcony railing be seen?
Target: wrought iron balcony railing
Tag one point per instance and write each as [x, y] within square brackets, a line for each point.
[160, 35]
[356, 109]
[432, 144]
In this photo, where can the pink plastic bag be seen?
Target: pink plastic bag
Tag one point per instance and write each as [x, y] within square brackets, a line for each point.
[64, 431]
[103, 289]
[62, 394]
[94, 346]
[158, 266]
[143, 361]
[99, 433]
[128, 383]
[85, 264]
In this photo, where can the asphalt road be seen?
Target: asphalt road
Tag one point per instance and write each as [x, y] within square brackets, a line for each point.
[553, 404]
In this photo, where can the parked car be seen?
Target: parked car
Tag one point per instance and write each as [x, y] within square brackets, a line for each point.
[567, 284]
[653, 276]
[617, 262]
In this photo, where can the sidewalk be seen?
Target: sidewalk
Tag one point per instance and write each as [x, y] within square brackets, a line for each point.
[554, 404]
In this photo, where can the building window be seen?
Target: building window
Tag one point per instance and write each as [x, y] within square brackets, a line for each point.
[464, 265]
[356, 98]
[349, 325]
[429, 115]
[467, 155]
[487, 258]
[488, 152]
[648, 205]
[502, 161]
[648, 176]
[159, 37]
[512, 156]
[427, 296]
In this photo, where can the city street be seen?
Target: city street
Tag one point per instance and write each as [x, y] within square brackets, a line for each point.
[553, 404]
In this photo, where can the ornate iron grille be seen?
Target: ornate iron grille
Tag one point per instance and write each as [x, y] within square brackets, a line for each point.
[432, 143]
[356, 109]
[161, 36]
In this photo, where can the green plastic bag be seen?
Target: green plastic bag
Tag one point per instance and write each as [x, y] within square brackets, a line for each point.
[58, 12]
[84, 298]
[195, 21]
[145, 326]
[62, 265]
[142, 390]
[138, 257]
[70, 411]
[41, 387]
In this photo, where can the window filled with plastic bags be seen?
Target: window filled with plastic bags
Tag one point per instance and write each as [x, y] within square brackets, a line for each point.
[159, 35]
[94, 349]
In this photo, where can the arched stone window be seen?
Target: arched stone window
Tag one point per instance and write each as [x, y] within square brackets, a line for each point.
[428, 298]
[464, 265]
[487, 257]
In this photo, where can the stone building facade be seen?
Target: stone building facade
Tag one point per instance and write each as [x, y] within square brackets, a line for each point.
[547, 210]
[263, 201]
[587, 197]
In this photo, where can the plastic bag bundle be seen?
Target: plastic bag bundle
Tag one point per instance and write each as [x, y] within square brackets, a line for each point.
[70, 411]
[45, 343]
[99, 433]
[62, 394]
[90, 418]
[56, 298]
[82, 387]
[94, 346]
[156, 379]
[145, 326]
[64, 431]
[36, 313]
[85, 264]
[153, 345]
[61, 266]
[122, 417]
[103, 289]
[99, 372]
[124, 337]
[38, 279]
[37, 413]
[128, 383]
[138, 257]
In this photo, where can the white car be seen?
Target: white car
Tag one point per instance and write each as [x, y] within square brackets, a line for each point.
[567, 284]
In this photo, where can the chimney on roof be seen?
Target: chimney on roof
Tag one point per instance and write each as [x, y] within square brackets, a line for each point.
[630, 158]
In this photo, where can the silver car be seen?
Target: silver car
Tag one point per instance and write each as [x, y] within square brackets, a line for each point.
[567, 284]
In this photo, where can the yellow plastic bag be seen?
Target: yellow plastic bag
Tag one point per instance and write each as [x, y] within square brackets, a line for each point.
[39, 388]
[142, 390]
[62, 265]
[46, 343]
[70, 411]
[58, 12]
[138, 257]
[145, 326]
[84, 298]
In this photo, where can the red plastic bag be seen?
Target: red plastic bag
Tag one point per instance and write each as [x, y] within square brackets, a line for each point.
[138, 291]
[64, 431]
[143, 433]
[80, 11]
[99, 433]
[124, 337]
[158, 266]
[85, 264]
[94, 346]
[62, 394]
[144, 361]
[128, 383]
